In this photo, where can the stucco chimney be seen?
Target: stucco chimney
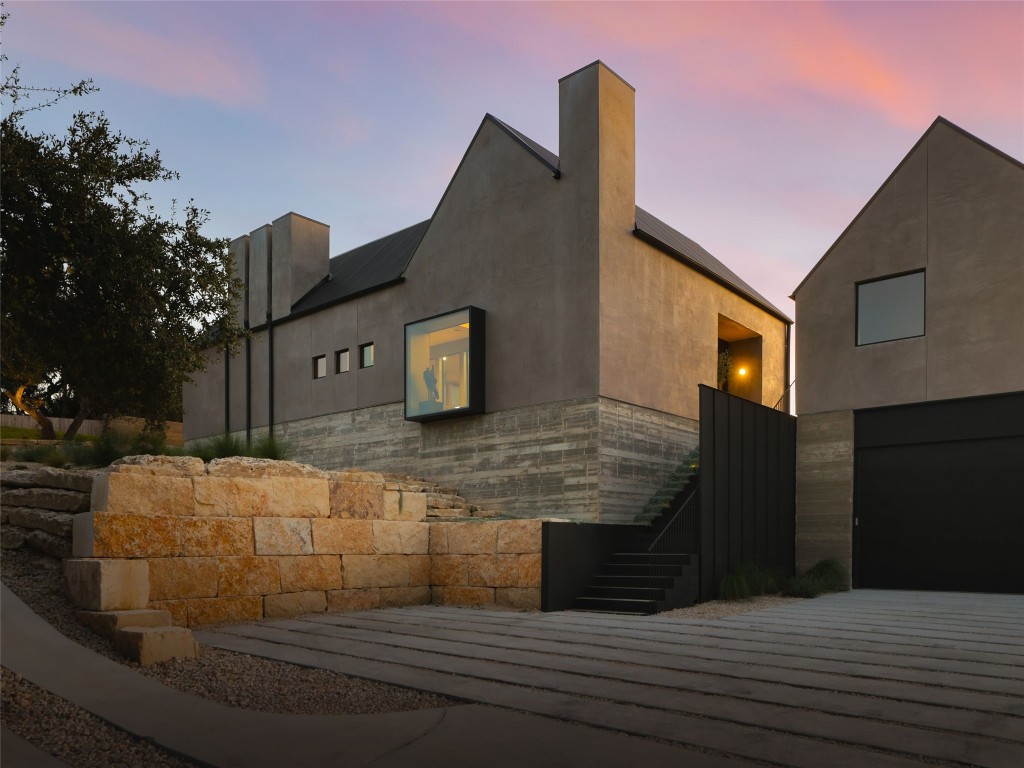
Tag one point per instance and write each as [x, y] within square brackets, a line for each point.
[597, 142]
[300, 260]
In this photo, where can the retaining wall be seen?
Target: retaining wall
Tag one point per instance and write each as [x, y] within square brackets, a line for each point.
[243, 539]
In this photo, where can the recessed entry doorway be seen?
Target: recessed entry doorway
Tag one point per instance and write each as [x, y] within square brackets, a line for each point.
[739, 359]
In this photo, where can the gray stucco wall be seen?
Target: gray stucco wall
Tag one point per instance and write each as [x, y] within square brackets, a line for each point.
[955, 209]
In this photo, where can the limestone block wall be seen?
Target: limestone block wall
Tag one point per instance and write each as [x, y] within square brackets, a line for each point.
[243, 539]
[38, 506]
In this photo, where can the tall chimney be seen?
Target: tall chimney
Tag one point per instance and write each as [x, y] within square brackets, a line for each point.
[301, 260]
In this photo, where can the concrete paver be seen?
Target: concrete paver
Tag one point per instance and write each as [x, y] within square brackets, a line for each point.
[861, 678]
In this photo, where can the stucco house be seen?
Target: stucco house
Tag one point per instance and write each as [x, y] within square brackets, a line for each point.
[537, 343]
[910, 362]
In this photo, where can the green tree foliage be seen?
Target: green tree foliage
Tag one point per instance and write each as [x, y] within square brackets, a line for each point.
[101, 293]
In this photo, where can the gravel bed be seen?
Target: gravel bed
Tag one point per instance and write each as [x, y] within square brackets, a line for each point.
[719, 609]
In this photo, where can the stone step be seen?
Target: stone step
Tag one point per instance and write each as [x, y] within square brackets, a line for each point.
[46, 498]
[446, 501]
[109, 623]
[57, 523]
[49, 477]
[150, 645]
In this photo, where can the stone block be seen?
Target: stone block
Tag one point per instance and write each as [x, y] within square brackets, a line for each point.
[178, 609]
[354, 599]
[439, 538]
[106, 534]
[216, 610]
[151, 645]
[300, 497]
[57, 523]
[356, 501]
[334, 536]
[165, 466]
[399, 537]
[521, 598]
[46, 498]
[473, 538]
[529, 569]
[244, 466]
[362, 571]
[304, 573]
[294, 603]
[396, 597]
[450, 570]
[518, 536]
[462, 595]
[181, 577]
[108, 585]
[232, 497]
[12, 537]
[282, 536]
[358, 476]
[493, 570]
[214, 536]
[404, 505]
[107, 623]
[248, 575]
[57, 547]
[142, 494]
[49, 477]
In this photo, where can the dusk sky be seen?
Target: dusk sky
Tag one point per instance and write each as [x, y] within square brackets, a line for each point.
[762, 128]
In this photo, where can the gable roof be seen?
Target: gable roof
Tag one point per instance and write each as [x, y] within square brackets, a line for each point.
[940, 120]
[383, 262]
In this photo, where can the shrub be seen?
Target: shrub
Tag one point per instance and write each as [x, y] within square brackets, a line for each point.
[735, 586]
[824, 576]
[6, 452]
[219, 447]
[269, 447]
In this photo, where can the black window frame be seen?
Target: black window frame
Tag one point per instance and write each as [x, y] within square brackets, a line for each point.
[362, 355]
[337, 361]
[477, 367]
[316, 373]
[924, 306]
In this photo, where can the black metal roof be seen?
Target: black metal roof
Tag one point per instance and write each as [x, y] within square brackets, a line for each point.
[659, 234]
[364, 269]
[383, 262]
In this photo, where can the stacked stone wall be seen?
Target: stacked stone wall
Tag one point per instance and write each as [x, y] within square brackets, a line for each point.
[38, 506]
[243, 539]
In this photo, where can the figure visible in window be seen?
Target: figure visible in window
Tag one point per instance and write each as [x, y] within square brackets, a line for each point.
[430, 379]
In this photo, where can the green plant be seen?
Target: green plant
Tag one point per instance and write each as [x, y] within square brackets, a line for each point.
[6, 452]
[724, 370]
[824, 576]
[735, 586]
[269, 447]
[219, 447]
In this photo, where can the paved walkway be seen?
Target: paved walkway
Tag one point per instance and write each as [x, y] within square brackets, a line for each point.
[865, 678]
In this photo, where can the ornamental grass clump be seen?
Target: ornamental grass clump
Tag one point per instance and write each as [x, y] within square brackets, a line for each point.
[824, 576]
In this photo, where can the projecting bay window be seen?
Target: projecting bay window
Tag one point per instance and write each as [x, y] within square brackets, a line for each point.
[444, 365]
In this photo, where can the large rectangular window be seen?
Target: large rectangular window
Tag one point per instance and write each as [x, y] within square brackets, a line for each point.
[444, 365]
[890, 308]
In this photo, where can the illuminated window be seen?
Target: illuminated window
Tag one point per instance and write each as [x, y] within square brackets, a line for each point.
[319, 366]
[444, 365]
[366, 355]
[341, 361]
[891, 308]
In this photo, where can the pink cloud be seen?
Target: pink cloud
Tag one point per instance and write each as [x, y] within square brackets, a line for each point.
[83, 36]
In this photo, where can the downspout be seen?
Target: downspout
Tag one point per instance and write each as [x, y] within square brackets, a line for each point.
[270, 335]
[227, 389]
[786, 394]
[248, 358]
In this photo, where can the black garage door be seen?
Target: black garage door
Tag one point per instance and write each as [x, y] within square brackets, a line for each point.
[939, 495]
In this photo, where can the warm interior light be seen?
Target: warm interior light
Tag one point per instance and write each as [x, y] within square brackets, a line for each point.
[743, 371]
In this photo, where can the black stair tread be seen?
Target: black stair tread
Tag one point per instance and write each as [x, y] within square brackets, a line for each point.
[634, 600]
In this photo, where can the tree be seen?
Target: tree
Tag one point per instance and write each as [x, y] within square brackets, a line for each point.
[101, 295]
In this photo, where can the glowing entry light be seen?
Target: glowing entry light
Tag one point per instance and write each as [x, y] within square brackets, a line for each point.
[743, 371]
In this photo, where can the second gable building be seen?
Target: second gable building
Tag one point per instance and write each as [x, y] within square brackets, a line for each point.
[536, 343]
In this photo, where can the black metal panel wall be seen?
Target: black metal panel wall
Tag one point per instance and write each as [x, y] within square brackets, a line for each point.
[571, 555]
[748, 486]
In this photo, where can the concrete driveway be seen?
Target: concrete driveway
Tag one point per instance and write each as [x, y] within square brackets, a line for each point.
[864, 678]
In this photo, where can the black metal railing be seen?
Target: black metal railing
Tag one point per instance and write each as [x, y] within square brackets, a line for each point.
[679, 536]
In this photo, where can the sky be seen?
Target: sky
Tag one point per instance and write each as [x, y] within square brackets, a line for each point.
[761, 128]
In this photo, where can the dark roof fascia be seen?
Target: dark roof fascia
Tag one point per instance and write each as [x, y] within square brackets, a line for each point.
[528, 144]
[940, 120]
[698, 267]
[340, 300]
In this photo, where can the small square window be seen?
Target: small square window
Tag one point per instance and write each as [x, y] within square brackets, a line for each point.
[341, 361]
[890, 308]
[366, 355]
[319, 366]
